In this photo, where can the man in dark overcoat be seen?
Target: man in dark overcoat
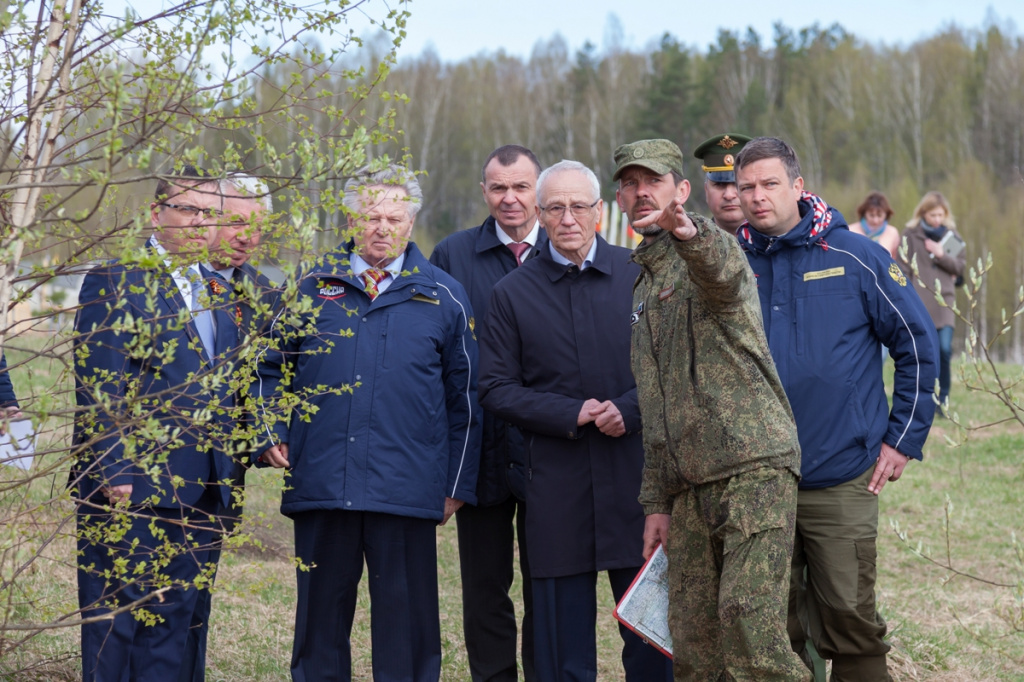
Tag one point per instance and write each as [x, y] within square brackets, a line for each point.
[478, 258]
[555, 362]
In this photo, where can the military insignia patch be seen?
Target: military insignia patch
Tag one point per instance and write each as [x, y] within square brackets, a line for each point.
[472, 324]
[897, 274]
[666, 292]
[727, 142]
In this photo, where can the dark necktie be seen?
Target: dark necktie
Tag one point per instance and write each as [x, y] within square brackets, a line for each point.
[518, 249]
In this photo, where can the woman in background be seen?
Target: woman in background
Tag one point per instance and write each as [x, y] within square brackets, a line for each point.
[933, 241]
[874, 213]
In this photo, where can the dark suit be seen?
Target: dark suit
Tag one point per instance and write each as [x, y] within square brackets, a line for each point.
[478, 260]
[251, 298]
[556, 336]
[139, 361]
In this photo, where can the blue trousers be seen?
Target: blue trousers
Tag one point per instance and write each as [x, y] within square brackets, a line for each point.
[401, 558]
[125, 649]
[565, 617]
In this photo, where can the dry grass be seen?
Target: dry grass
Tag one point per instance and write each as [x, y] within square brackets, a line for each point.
[944, 628]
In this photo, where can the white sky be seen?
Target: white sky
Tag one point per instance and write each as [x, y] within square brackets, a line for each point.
[460, 28]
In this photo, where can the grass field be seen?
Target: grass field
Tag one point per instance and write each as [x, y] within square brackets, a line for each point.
[961, 507]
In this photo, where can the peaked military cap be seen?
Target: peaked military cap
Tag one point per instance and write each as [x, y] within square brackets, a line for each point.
[660, 156]
[718, 155]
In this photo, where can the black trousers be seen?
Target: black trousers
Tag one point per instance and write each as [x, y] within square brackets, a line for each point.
[487, 543]
[401, 559]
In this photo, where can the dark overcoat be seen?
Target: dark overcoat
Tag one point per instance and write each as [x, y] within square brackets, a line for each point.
[556, 336]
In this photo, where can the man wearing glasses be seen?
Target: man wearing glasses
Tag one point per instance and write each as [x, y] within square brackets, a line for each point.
[151, 431]
[554, 361]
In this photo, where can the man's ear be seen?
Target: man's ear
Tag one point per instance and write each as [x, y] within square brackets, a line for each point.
[683, 191]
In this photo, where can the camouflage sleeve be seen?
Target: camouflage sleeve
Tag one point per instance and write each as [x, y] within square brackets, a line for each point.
[716, 264]
[655, 497]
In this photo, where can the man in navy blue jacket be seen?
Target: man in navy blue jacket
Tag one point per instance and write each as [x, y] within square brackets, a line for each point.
[478, 258]
[151, 432]
[830, 298]
[383, 441]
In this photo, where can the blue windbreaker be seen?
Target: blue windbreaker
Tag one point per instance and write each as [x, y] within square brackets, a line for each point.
[396, 426]
[829, 301]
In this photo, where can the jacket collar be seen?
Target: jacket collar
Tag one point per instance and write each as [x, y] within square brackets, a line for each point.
[652, 251]
[488, 239]
[603, 261]
[414, 269]
[803, 235]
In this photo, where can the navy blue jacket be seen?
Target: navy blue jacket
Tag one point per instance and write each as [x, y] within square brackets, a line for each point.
[393, 424]
[555, 337]
[478, 260]
[7, 397]
[136, 345]
[829, 302]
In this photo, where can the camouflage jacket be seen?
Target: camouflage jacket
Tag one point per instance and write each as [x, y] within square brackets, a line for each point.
[710, 398]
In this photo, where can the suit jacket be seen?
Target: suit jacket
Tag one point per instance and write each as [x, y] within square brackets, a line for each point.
[478, 260]
[154, 409]
[253, 301]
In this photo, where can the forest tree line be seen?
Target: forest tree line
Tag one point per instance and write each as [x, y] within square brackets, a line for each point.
[945, 113]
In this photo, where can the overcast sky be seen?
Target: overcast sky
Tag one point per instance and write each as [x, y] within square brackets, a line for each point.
[460, 28]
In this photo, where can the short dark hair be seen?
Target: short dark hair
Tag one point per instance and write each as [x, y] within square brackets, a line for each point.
[508, 155]
[875, 200]
[761, 148]
[175, 183]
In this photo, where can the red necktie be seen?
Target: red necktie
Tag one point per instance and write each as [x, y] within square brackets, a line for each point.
[518, 248]
[371, 278]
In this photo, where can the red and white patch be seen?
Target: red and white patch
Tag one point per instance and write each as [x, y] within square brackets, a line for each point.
[332, 290]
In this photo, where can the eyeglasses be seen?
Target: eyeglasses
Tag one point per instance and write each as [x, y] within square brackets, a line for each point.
[578, 210]
[194, 212]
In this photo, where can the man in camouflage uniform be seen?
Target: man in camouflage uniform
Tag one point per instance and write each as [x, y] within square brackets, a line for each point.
[722, 456]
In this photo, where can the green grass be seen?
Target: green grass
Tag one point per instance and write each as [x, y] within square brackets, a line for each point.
[943, 626]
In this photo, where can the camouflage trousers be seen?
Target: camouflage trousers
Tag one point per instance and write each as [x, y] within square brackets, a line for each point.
[729, 547]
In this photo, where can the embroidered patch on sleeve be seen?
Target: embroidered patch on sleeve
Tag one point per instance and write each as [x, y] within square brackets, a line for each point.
[897, 274]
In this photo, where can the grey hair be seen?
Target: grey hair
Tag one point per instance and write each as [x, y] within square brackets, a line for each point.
[248, 187]
[566, 166]
[390, 176]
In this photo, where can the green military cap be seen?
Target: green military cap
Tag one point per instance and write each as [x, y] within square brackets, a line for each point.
[660, 156]
[718, 155]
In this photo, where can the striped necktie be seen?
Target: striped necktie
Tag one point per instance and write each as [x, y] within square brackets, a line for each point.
[371, 278]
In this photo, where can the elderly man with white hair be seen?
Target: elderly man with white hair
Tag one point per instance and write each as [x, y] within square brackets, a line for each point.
[554, 361]
[375, 392]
